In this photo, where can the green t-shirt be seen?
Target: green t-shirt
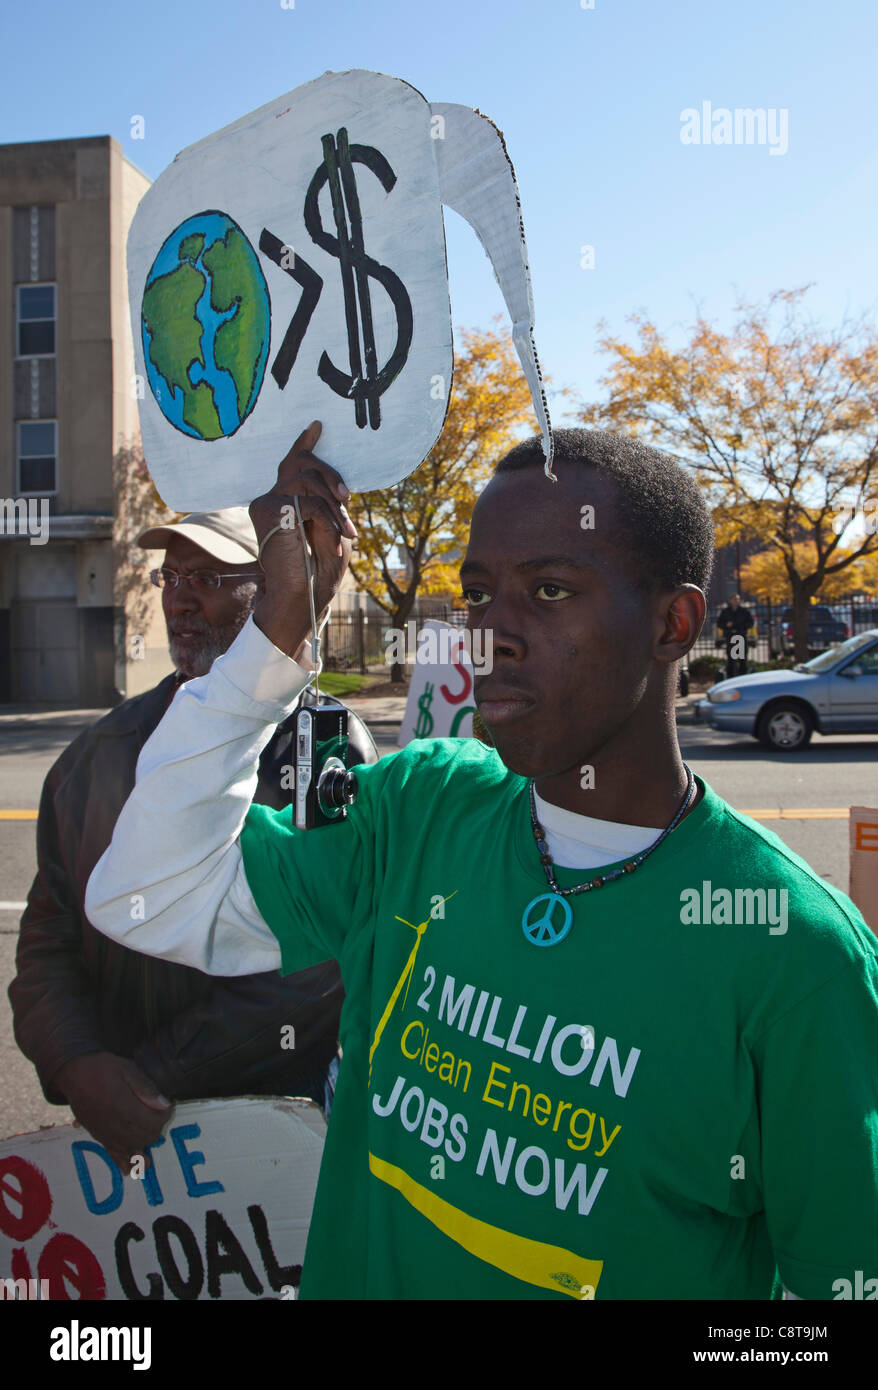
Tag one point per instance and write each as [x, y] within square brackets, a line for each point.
[661, 1105]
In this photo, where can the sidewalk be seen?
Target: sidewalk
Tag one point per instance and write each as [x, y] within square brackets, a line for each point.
[31, 716]
[378, 709]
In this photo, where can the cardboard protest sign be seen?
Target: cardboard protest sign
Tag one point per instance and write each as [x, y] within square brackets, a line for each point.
[223, 1213]
[440, 700]
[292, 267]
[864, 862]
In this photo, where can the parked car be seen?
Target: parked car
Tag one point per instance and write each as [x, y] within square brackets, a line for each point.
[833, 693]
[824, 631]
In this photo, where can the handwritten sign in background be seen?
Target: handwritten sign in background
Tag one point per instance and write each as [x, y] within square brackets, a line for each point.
[224, 1213]
[440, 700]
[292, 267]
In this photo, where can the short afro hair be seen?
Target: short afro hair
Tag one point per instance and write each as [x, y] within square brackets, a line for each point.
[662, 519]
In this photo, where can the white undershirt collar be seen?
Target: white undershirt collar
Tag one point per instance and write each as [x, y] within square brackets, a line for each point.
[582, 842]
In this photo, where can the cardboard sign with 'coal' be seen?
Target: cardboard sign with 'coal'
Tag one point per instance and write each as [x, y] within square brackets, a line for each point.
[291, 267]
[223, 1212]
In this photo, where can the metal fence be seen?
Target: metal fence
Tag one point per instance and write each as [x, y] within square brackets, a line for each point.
[351, 642]
[356, 641]
[855, 614]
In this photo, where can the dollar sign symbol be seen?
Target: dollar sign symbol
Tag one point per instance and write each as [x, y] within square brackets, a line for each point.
[424, 726]
[365, 384]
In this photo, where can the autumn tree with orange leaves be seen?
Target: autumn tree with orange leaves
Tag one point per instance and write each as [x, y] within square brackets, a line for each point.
[427, 516]
[764, 575]
[779, 421]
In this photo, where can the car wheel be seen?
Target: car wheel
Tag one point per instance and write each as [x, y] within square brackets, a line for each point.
[785, 727]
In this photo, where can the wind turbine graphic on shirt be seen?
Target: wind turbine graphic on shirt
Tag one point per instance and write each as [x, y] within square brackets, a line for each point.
[404, 979]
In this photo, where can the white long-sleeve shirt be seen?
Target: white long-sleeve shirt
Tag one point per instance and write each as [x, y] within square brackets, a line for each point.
[171, 882]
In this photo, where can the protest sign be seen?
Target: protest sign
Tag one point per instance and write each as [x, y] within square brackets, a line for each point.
[864, 862]
[223, 1212]
[440, 700]
[292, 267]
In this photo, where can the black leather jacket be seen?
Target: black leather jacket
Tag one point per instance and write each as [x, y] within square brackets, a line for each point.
[77, 991]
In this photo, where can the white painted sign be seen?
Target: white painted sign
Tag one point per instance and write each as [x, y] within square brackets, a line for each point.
[223, 1212]
[440, 700]
[292, 267]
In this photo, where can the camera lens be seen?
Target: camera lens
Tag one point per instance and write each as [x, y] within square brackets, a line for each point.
[337, 787]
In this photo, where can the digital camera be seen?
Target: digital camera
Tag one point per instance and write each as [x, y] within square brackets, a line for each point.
[324, 788]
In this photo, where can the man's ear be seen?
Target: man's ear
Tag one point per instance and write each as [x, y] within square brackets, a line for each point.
[681, 617]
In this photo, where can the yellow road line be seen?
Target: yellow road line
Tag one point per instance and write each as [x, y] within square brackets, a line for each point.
[801, 813]
[18, 815]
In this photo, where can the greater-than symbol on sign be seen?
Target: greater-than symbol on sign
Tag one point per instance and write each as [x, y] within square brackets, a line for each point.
[311, 283]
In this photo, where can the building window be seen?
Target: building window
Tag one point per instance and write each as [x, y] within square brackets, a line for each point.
[37, 457]
[36, 321]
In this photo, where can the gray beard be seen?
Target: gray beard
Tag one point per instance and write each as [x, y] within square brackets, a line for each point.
[195, 659]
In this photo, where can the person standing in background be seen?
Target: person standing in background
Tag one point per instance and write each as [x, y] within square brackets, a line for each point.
[115, 1034]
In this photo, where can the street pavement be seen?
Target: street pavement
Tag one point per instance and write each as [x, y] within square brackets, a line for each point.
[802, 797]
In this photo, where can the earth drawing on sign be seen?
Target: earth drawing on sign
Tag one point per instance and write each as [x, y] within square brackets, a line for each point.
[206, 321]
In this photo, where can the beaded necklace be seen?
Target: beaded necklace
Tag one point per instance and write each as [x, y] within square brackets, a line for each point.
[540, 927]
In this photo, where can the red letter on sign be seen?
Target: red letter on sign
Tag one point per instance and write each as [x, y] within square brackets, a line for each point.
[22, 1183]
[467, 684]
[867, 835]
[65, 1257]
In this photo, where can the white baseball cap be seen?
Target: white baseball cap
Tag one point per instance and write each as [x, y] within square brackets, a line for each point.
[227, 535]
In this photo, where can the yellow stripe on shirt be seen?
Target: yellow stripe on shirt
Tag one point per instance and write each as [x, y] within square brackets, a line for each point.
[547, 1266]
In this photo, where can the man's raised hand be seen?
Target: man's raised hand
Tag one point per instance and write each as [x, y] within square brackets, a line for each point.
[283, 613]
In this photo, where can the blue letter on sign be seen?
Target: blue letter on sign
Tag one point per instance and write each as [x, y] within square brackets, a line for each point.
[150, 1180]
[179, 1135]
[114, 1200]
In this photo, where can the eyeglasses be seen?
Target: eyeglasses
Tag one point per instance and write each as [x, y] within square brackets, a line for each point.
[198, 579]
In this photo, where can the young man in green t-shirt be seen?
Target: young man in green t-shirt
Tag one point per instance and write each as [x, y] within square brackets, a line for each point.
[603, 1036]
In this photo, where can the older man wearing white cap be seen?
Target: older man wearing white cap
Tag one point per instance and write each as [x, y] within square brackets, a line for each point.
[204, 609]
[115, 1034]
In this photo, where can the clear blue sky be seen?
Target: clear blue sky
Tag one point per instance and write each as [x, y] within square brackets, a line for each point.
[590, 104]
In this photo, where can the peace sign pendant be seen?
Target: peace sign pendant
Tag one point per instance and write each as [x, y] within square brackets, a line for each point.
[543, 924]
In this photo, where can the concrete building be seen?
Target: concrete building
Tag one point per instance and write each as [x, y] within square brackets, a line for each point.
[79, 622]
